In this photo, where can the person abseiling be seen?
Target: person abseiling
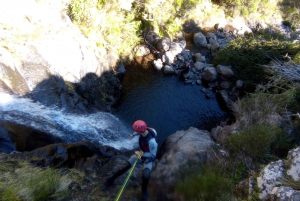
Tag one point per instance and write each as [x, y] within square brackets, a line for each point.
[147, 154]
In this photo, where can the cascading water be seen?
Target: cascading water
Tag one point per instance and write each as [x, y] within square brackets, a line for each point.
[99, 127]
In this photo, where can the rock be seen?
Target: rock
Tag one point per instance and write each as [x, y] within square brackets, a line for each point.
[168, 70]
[212, 41]
[268, 178]
[188, 82]
[163, 44]
[141, 50]
[199, 40]
[175, 48]
[182, 44]
[225, 71]
[215, 47]
[76, 155]
[5, 89]
[207, 95]
[294, 168]
[10, 77]
[199, 66]
[198, 82]
[224, 85]
[224, 100]
[239, 84]
[152, 37]
[197, 57]
[211, 35]
[209, 74]
[158, 64]
[186, 73]
[179, 149]
[285, 194]
[6, 145]
[120, 74]
[168, 57]
[25, 138]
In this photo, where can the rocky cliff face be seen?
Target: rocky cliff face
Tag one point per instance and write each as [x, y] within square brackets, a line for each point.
[43, 53]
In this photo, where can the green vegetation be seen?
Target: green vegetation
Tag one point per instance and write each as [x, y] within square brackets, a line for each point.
[261, 120]
[255, 59]
[296, 58]
[22, 181]
[291, 13]
[287, 181]
[258, 120]
[259, 140]
[204, 182]
[106, 24]
[261, 47]
[112, 25]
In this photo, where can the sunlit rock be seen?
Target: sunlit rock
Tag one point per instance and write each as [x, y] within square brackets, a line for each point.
[294, 169]
[268, 178]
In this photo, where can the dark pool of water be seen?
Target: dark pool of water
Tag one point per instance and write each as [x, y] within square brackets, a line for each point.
[165, 102]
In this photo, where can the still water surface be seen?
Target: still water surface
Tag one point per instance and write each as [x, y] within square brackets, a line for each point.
[165, 102]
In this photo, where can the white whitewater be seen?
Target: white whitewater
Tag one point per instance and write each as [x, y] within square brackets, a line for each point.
[97, 127]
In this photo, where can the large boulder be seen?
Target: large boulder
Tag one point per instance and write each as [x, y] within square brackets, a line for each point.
[199, 40]
[192, 145]
[210, 74]
[294, 169]
[225, 71]
[273, 181]
[268, 177]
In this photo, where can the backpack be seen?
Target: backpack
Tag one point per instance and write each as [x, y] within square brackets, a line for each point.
[153, 132]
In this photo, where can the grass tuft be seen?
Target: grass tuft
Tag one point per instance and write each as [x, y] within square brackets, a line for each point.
[32, 183]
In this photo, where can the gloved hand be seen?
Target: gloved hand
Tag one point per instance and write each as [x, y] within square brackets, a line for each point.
[132, 135]
[139, 154]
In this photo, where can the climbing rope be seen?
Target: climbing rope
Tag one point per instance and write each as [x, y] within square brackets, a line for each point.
[128, 176]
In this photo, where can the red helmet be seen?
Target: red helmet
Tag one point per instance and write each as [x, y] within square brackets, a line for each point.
[139, 126]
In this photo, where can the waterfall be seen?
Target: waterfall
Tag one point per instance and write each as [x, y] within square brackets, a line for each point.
[100, 127]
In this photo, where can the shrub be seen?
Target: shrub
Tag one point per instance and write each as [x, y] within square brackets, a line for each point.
[204, 182]
[296, 58]
[255, 142]
[255, 109]
[80, 11]
[247, 54]
[290, 13]
[294, 103]
[106, 24]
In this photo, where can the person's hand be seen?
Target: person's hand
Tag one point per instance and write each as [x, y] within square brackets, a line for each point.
[139, 154]
[131, 136]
